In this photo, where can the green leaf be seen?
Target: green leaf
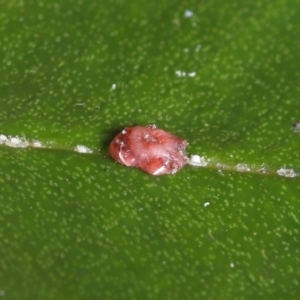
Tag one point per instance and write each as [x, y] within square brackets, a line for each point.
[224, 75]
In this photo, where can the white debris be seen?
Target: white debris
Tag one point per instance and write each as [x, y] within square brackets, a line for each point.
[188, 13]
[286, 172]
[296, 127]
[36, 144]
[180, 73]
[232, 265]
[197, 160]
[16, 142]
[114, 86]
[3, 138]
[82, 149]
[242, 168]
[206, 204]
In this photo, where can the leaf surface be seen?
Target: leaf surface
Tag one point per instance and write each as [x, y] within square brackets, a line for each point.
[223, 75]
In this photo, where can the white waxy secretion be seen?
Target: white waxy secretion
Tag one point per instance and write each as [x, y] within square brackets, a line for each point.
[36, 144]
[16, 142]
[180, 73]
[197, 160]
[192, 74]
[3, 138]
[242, 168]
[286, 172]
[188, 13]
[82, 149]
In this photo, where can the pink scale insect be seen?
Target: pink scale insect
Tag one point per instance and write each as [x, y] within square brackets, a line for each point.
[149, 148]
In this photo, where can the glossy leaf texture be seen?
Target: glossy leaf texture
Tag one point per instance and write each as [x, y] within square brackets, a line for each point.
[224, 75]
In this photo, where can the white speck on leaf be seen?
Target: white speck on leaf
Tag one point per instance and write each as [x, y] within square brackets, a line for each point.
[36, 144]
[82, 149]
[242, 168]
[188, 13]
[3, 138]
[286, 172]
[197, 160]
[16, 142]
[180, 73]
[296, 127]
[192, 74]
